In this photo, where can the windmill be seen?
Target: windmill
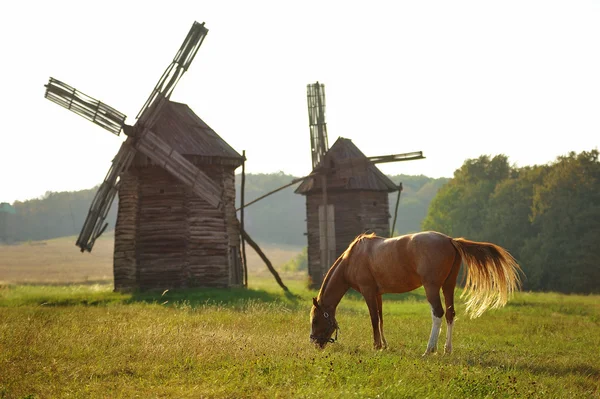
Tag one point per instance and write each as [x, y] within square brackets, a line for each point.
[152, 142]
[346, 194]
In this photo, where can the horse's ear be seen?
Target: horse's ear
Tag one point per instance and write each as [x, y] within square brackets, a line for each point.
[315, 303]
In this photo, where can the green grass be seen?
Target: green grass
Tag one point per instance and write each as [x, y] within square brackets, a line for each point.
[86, 341]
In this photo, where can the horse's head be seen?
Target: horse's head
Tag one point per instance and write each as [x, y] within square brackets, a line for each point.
[323, 325]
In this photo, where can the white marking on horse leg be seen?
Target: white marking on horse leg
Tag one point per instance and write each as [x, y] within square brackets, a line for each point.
[435, 333]
[448, 345]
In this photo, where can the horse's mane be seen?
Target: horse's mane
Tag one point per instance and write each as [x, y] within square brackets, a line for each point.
[359, 238]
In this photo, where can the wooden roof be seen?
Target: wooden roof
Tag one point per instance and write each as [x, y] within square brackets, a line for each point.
[187, 134]
[347, 168]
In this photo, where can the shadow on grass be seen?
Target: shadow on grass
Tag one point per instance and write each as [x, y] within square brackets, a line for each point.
[69, 294]
[229, 297]
[66, 295]
[236, 297]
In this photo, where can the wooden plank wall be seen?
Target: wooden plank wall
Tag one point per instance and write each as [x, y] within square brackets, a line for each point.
[168, 237]
[161, 230]
[355, 212]
[375, 212]
[327, 237]
[236, 277]
[208, 242]
[315, 272]
[124, 268]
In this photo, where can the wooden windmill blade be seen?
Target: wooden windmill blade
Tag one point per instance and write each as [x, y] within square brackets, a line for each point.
[157, 149]
[180, 64]
[173, 162]
[94, 224]
[112, 120]
[85, 106]
[315, 96]
[408, 156]
[140, 137]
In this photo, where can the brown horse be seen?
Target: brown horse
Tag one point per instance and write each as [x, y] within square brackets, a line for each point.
[375, 265]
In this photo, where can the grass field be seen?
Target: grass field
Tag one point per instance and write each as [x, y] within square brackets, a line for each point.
[83, 340]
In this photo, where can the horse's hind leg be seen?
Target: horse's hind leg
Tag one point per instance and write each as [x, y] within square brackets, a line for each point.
[380, 312]
[448, 290]
[433, 297]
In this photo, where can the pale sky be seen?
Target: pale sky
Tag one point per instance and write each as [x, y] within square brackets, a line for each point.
[454, 79]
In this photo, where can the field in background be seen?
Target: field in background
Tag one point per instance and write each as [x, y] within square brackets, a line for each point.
[59, 261]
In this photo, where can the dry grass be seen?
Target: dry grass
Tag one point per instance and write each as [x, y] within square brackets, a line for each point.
[89, 342]
[59, 261]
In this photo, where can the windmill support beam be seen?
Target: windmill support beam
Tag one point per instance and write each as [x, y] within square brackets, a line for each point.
[295, 181]
[400, 188]
[162, 154]
[242, 199]
[262, 255]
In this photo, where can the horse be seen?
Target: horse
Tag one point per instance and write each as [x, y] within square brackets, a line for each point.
[374, 265]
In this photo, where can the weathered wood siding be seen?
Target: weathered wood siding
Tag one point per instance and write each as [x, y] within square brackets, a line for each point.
[355, 212]
[168, 237]
[236, 277]
[161, 230]
[208, 242]
[125, 265]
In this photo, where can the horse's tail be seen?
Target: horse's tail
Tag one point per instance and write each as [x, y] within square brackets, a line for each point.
[492, 275]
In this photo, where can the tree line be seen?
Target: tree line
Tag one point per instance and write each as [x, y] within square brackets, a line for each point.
[281, 217]
[547, 216]
[277, 219]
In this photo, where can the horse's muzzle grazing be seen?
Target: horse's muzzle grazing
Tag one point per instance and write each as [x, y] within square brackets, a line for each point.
[321, 341]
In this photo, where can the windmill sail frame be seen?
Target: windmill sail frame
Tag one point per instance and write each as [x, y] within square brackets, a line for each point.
[94, 224]
[85, 106]
[140, 137]
[315, 96]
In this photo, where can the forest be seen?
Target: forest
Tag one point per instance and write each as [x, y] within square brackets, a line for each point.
[276, 219]
[547, 216]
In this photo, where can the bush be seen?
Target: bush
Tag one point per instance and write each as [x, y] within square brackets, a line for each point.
[297, 263]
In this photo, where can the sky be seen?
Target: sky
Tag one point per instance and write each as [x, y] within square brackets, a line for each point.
[455, 80]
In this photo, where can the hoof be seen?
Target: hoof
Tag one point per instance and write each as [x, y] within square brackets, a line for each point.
[428, 352]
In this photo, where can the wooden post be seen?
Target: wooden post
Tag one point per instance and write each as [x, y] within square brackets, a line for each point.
[265, 259]
[396, 210]
[242, 207]
[324, 231]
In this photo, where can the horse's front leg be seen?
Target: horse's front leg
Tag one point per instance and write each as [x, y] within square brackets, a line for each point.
[371, 299]
[380, 312]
